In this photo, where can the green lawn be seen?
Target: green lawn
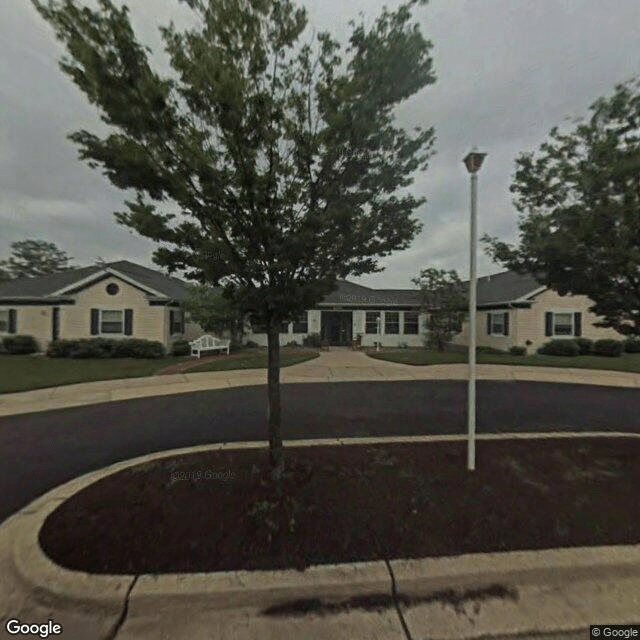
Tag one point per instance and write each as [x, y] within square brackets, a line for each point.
[421, 356]
[257, 359]
[21, 373]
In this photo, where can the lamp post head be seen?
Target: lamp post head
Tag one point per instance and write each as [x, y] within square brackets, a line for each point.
[473, 160]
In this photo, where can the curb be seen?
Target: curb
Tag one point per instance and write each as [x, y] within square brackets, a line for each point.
[89, 393]
[66, 589]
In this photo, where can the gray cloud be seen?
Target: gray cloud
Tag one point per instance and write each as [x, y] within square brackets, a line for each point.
[507, 72]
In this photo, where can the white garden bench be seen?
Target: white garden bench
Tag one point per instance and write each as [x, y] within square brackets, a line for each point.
[208, 343]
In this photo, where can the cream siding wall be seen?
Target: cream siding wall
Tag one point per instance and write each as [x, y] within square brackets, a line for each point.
[485, 340]
[531, 322]
[148, 321]
[32, 321]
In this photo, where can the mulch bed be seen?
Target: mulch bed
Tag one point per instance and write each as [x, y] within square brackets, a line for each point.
[217, 511]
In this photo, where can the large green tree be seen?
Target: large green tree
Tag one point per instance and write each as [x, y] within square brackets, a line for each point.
[280, 154]
[213, 312]
[444, 297]
[31, 258]
[579, 200]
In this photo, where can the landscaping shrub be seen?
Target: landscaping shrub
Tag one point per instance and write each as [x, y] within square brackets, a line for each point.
[180, 348]
[293, 343]
[312, 340]
[632, 345]
[518, 351]
[89, 348]
[16, 345]
[584, 345]
[609, 348]
[136, 348]
[61, 348]
[559, 348]
[251, 344]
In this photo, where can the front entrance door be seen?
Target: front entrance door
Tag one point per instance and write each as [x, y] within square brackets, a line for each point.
[336, 327]
[55, 323]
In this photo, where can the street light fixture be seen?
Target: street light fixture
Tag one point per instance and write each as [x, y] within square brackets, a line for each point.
[473, 161]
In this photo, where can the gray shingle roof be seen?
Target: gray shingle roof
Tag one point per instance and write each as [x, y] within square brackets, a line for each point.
[500, 287]
[43, 286]
[504, 287]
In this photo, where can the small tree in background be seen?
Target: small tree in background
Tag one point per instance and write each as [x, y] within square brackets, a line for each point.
[579, 200]
[444, 297]
[266, 166]
[30, 258]
[213, 312]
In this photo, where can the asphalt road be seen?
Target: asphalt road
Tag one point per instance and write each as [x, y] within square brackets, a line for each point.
[39, 451]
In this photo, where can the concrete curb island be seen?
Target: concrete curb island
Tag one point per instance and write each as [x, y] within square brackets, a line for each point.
[331, 366]
[559, 589]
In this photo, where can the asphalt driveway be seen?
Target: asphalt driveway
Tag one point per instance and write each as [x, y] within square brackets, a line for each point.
[41, 450]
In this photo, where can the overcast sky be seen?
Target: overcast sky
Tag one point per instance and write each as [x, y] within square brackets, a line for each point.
[507, 71]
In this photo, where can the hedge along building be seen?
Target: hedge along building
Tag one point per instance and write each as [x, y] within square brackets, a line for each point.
[115, 300]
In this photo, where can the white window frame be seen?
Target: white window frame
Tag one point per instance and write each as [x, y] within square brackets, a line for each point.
[573, 323]
[404, 317]
[303, 318]
[5, 330]
[395, 333]
[378, 315]
[501, 314]
[109, 333]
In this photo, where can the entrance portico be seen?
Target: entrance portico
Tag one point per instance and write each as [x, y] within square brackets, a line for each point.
[337, 327]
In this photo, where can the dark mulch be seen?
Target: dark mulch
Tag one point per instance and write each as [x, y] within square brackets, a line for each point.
[216, 511]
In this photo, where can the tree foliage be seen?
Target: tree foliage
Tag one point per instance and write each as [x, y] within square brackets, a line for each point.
[213, 312]
[444, 297]
[579, 200]
[266, 164]
[30, 258]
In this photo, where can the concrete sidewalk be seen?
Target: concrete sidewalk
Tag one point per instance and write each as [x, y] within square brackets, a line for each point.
[336, 365]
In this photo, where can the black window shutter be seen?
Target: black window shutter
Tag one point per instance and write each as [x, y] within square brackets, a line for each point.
[577, 323]
[172, 317]
[506, 323]
[95, 320]
[182, 321]
[128, 322]
[548, 323]
[489, 323]
[13, 324]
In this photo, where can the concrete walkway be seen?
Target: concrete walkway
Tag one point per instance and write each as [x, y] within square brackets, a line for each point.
[336, 365]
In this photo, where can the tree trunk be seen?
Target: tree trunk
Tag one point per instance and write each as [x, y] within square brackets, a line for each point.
[273, 380]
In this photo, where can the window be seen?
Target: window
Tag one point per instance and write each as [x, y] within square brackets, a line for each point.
[411, 322]
[301, 325]
[392, 322]
[256, 327]
[497, 324]
[175, 320]
[371, 322]
[284, 327]
[4, 320]
[112, 288]
[111, 321]
[563, 324]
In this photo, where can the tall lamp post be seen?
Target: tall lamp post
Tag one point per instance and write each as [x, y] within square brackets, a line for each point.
[473, 161]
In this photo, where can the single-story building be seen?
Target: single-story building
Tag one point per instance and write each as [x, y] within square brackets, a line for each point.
[123, 299]
[117, 299]
[513, 309]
